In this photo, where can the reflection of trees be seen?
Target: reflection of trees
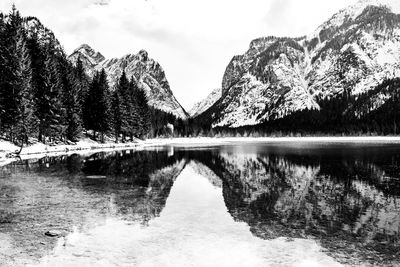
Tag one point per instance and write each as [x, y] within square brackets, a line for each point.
[138, 182]
[348, 200]
[345, 201]
[56, 193]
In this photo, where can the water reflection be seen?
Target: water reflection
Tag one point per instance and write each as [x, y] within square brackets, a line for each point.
[194, 229]
[346, 198]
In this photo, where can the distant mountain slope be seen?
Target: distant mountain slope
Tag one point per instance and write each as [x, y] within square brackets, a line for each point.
[353, 52]
[206, 103]
[146, 71]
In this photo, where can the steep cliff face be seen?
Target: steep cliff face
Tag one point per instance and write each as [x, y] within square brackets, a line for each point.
[354, 51]
[148, 72]
[206, 103]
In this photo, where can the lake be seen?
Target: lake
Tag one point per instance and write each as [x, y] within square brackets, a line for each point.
[253, 204]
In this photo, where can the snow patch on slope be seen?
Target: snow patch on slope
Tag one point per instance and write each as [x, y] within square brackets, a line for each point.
[206, 103]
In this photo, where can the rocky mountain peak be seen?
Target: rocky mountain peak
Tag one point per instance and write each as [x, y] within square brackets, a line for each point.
[356, 50]
[146, 71]
[89, 53]
[143, 55]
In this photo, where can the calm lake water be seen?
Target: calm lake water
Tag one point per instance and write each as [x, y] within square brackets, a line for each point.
[288, 204]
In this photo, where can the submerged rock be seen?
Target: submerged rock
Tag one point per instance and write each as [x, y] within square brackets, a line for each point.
[53, 233]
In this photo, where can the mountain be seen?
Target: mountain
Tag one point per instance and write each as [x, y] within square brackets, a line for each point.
[206, 103]
[44, 36]
[352, 54]
[148, 72]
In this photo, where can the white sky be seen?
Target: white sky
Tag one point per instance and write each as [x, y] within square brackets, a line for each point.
[193, 40]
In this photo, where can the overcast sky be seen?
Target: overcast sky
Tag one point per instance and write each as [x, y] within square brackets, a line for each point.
[193, 40]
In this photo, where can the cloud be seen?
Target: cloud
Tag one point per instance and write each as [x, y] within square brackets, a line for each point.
[193, 40]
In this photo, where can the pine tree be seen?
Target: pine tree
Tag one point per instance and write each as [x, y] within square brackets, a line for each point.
[71, 101]
[82, 82]
[97, 108]
[51, 112]
[11, 94]
[116, 113]
[3, 71]
[143, 112]
[126, 107]
[26, 121]
[134, 129]
[90, 98]
[37, 56]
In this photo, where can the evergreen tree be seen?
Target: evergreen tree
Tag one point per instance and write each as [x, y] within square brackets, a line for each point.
[134, 119]
[82, 82]
[3, 71]
[143, 113]
[37, 56]
[71, 101]
[10, 89]
[126, 106]
[116, 113]
[26, 121]
[50, 112]
[97, 110]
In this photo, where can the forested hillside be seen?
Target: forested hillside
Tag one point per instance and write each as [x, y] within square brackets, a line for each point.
[343, 78]
[44, 97]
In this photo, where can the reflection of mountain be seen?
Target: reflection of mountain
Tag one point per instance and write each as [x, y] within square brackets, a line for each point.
[61, 193]
[342, 199]
[346, 197]
[204, 171]
[194, 229]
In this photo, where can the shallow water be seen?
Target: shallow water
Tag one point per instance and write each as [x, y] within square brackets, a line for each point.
[289, 204]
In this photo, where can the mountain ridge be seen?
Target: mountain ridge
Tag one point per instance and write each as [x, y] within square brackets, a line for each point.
[146, 71]
[357, 49]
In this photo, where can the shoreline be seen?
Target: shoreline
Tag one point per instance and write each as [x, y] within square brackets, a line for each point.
[84, 146]
[40, 150]
[232, 140]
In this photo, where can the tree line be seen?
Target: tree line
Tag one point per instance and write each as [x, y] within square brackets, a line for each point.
[340, 114]
[46, 97]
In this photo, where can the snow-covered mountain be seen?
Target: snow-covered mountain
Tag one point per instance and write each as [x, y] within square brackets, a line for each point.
[145, 70]
[356, 50]
[206, 103]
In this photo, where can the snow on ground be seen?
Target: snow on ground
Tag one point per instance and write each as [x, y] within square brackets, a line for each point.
[84, 146]
[39, 149]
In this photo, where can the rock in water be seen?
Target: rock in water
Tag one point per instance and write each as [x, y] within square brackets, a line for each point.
[53, 233]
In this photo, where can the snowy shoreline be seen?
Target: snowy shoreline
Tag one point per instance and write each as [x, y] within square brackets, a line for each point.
[232, 140]
[40, 150]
